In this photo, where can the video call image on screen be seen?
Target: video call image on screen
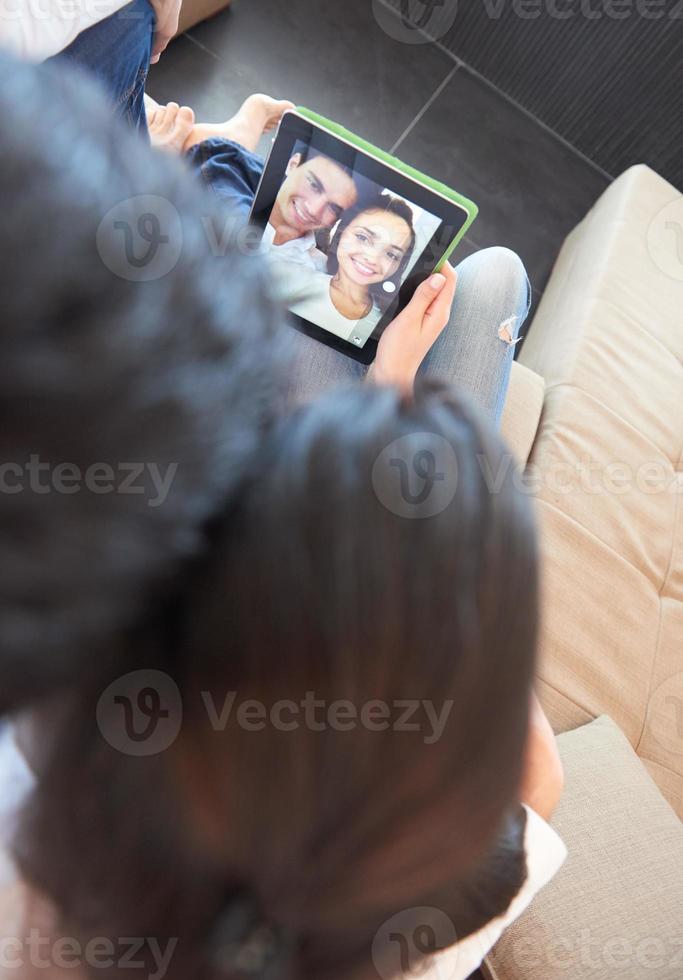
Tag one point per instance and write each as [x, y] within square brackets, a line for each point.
[342, 244]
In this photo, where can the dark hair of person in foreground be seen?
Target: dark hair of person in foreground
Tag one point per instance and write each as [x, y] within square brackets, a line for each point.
[307, 580]
[314, 838]
[98, 370]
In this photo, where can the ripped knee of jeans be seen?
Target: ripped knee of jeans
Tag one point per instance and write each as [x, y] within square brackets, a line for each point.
[506, 331]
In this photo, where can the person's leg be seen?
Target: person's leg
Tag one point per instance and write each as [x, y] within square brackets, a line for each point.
[117, 52]
[476, 349]
[222, 154]
[257, 115]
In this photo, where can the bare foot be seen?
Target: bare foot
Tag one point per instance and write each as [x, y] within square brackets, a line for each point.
[169, 125]
[257, 115]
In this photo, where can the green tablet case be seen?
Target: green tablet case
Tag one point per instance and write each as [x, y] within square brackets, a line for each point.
[374, 151]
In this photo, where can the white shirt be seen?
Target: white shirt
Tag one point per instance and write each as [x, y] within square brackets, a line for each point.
[303, 251]
[545, 855]
[37, 29]
[308, 295]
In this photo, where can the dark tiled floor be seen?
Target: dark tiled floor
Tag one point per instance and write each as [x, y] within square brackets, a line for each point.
[530, 187]
[332, 57]
[336, 58]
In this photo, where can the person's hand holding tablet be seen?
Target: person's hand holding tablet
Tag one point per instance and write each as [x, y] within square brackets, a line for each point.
[406, 341]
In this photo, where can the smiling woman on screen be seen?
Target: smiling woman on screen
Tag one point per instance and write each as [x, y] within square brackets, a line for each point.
[369, 253]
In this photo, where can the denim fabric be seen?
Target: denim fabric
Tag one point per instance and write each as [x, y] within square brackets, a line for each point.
[493, 290]
[117, 52]
[231, 172]
[492, 302]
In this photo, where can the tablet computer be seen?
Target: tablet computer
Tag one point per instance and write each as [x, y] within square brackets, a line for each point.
[350, 230]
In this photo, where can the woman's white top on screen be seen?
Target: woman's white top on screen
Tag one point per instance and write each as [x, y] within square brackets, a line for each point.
[308, 294]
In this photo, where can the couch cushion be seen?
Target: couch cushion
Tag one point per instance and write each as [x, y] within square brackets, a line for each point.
[613, 911]
[522, 411]
[607, 470]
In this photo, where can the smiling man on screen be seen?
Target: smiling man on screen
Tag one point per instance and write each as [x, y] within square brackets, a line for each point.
[314, 195]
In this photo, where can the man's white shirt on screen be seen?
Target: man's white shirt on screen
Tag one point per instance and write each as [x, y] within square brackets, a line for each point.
[303, 250]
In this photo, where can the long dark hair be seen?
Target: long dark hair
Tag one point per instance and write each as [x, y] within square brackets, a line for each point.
[332, 573]
[392, 205]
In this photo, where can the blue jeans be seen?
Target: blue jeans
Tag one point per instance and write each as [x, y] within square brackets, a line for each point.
[117, 52]
[492, 295]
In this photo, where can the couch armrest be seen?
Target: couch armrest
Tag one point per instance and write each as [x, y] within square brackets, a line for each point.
[522, 411]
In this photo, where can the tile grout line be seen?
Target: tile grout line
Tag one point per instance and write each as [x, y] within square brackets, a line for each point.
[539, 122]
[508, 98]
[201, 46]
[425, 108]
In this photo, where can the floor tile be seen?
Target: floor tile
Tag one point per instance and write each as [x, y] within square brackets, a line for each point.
[530, 187]
[334, 58]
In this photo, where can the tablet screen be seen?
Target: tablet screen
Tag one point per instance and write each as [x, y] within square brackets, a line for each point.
[345, 234]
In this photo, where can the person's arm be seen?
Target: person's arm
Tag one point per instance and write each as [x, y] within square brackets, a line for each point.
[543, 777]
[408, 338]
[38, 31]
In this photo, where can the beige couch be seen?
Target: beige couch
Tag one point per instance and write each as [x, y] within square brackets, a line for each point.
[606, 462]
[596, 414]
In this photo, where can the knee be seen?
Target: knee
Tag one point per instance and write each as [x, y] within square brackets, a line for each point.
[502, 262]
[499, 269]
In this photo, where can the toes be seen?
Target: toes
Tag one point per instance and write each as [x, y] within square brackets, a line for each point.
[185, 118]
[276, 110]
[170, 116]
[184, 123]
